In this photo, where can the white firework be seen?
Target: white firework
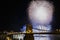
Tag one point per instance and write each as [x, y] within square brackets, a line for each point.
[40, 12]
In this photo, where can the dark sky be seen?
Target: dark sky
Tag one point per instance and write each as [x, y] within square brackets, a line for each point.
[14, 16]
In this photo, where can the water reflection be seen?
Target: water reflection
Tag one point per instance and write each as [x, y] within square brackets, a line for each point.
[46, 37]
[29, 37]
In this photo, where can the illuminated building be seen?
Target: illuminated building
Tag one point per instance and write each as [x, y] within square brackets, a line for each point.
[29, 30]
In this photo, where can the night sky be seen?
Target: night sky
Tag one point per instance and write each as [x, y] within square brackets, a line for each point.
[14, 16]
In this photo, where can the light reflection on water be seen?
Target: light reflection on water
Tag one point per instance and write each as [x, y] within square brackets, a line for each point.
[46, 37]
[39, 37]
